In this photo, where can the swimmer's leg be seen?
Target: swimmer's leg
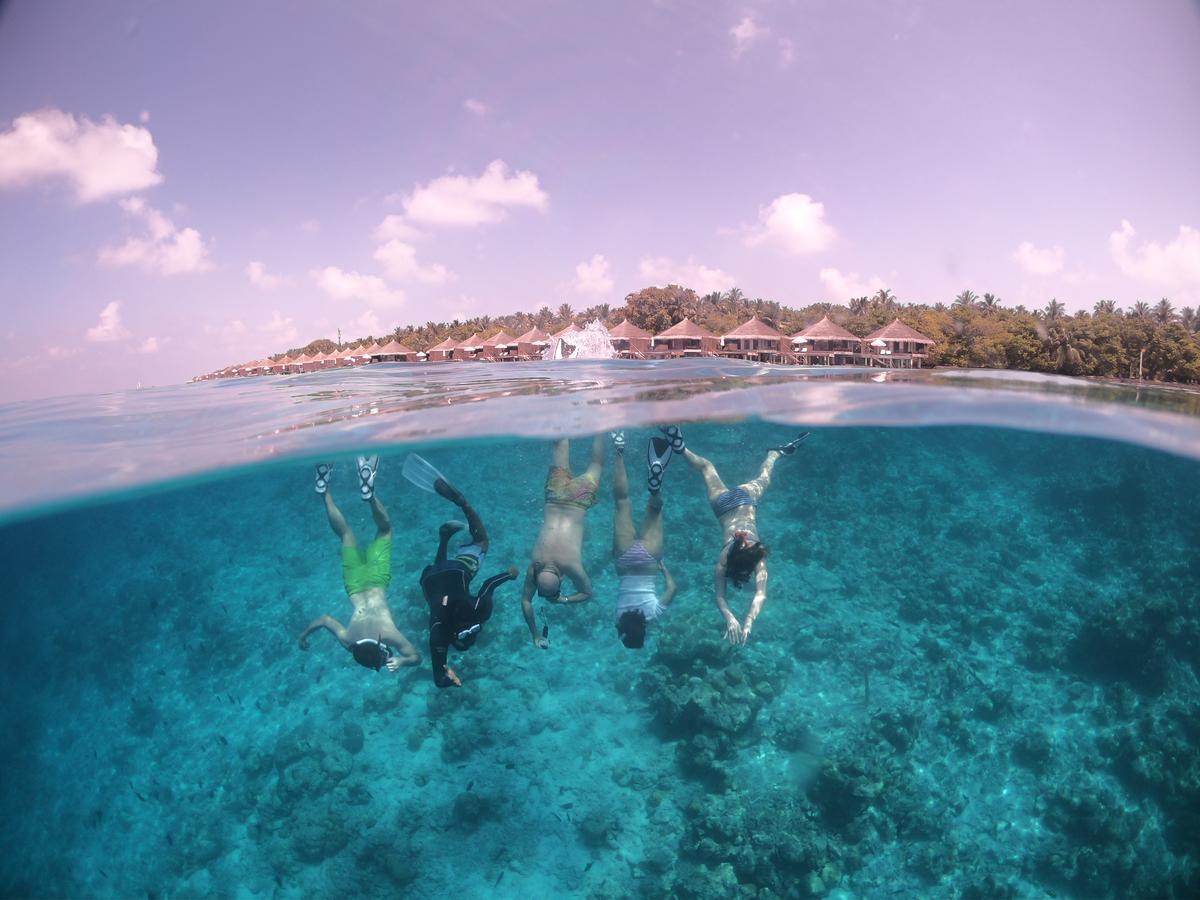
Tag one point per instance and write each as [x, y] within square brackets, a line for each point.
[383, 525]
[483, 603]
[447, 531]
[560, 455]
[337, 521]
[596, 466]
[712, 481]
[623, 533]
[759, 485]
[651, 534]
[479, 534]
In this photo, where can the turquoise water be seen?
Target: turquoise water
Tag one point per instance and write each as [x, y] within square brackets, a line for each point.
[975, 674]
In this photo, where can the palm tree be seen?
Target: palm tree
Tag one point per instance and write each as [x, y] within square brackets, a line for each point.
[734, 300]
[1141, 309]
[1164, 312]
[542, 317]
[1189, 319]
[990, 303]
[565, 313]
[883, 299]
[1060, 345]
[1105, 307]
[1053, 310]
[859, 306]
[965, 300]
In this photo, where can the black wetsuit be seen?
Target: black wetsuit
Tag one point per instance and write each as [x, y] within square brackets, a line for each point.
[455, 615]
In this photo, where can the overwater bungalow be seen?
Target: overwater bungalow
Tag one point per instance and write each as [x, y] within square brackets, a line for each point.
[501, 346]
[756, 340]
[826, 343]
[531, 344]
[441, 352]
[570, 329]
[897, 345]
[685, 338]
[392, 351]
[630, 341]
[469, 348]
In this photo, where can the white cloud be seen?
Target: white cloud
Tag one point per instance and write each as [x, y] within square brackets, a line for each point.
[61, 352]
[793, 223]
[394, 228]
[594, 276]
[144, 116]
[342, 285]
[99, 160]
[280, 327]
[369, 323]
[787, 51]
[842, 286]
[1039, 260]
[1176, 264]
[310, 226]
[166, 250]
[478, 107]
[399, 261]
[109, 328]
[464, 200]
[149, 345]
[260, 277]
[662, 271]
[745, 33]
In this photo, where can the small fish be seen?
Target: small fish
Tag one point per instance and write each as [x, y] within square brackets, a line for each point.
[229, 697]
[170, 840]
[561, 788]
[566, 806]
[224, 741]
[470, 784]
[509, 765]
[135, 792]
[461, 766]
[102, 872]
[588, 866]
[557, 816]
[498, 877]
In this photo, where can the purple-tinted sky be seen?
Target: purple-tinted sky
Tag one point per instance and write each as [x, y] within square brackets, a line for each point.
[187, 185]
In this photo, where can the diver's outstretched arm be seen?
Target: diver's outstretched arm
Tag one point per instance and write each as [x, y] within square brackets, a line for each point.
[760, 598]
[668, 593]
[327, 622]
[733, 629]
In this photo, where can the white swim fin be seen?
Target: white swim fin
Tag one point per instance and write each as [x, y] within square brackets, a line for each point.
[421, 473]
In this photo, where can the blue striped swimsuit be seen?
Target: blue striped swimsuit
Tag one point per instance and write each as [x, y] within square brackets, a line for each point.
[727, 502]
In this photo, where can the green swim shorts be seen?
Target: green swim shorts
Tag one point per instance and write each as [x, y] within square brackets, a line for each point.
[367, 567]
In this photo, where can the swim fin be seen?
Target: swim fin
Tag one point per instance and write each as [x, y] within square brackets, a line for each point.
[658, 456]
[418, 471]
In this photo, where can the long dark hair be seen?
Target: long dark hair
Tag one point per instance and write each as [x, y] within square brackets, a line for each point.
[743, 558]
[631, 629]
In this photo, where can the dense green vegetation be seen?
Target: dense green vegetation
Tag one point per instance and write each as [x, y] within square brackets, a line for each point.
[1154, 342]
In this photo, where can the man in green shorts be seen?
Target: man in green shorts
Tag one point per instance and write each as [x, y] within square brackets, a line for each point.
[558, 553]
[371, 636]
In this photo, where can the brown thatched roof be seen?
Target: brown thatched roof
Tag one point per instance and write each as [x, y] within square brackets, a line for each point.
[500, 337]
[898, 331]
[825, 330]
[532, 335]
[475, 341]
[570, 329]
[448, 344]
[755, 328]
[391, 348]
[627, 330]
[685, 328]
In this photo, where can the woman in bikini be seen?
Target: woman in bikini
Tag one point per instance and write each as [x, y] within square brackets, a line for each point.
[743, 554]
[638, 553]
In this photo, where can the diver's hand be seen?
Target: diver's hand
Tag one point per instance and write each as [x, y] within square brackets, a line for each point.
[542, 643]
[457, 682]
[394, 664]
[303, 642]
[733, 629]
[745, 636]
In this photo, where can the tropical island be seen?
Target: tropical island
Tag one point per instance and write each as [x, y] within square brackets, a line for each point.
[1149, 342]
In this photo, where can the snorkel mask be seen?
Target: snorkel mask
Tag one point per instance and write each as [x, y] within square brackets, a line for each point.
[371, 653]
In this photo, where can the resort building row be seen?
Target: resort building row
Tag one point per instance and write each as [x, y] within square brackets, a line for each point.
[895, 345]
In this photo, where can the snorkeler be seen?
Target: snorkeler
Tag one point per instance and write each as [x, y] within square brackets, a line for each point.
[456, 616]
[743, 554]
[371, 636]
[638, 553]
[559, 548]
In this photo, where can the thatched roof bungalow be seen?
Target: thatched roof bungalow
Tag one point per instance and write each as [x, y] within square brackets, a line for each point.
[897, 344]
[826, 342]
[532, 343]
[685, 338]
[754, 339]
[629, 340]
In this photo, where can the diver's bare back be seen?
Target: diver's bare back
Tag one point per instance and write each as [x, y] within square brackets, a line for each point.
[560, 542]
[371, 615]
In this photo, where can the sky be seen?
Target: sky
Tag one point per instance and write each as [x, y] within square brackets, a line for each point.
[189, 185]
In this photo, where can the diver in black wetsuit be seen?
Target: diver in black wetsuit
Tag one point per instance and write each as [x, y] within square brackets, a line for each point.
[455, 614]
